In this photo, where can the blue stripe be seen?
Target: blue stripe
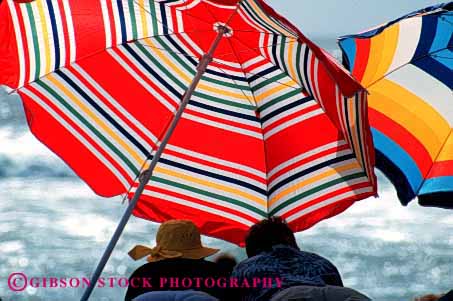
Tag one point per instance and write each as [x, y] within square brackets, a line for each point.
[122, 20]
[443, 34]
[399, 157]
[435, 185]
[151, 71]
[349, 48]
[429, 29]
[436, 70]
[55, 34]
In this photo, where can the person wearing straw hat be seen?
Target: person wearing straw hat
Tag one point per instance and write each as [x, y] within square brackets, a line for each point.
[177, 262]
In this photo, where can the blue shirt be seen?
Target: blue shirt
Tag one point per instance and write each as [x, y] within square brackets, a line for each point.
[292, 266]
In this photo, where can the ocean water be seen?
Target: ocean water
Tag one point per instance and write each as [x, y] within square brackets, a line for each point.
[53, 225]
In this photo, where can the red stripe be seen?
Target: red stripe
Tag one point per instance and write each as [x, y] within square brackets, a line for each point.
[88, 27]
[112, 22]
[368, 140]
[300, 138]
[361, 61]
[144, 77]
[403, 138]
[80, 131]
[128, 92]
[86, 165]
[441, 169]
[159, 210]
[64, 23]
[219, 143]
[323, 213]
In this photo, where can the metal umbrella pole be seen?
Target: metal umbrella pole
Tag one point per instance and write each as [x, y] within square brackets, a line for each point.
[201, 69]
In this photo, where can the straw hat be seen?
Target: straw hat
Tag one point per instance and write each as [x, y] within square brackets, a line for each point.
[175, 239]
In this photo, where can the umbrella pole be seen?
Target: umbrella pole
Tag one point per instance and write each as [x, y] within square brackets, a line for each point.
[201, 68]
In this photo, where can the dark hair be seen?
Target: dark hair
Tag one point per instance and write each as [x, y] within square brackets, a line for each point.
[226, 262]
[268, 233]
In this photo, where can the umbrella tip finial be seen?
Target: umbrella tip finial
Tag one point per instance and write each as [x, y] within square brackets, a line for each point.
[225, 29]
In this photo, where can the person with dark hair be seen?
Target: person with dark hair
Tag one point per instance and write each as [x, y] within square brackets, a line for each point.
[226, 262]
[273, 253]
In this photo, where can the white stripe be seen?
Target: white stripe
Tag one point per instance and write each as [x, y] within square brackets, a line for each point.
[294, 121]
[106, 18]
[61, 37]
[316, 86]
[409, 36]
[117, 22]
[71, 34]
[30, 44]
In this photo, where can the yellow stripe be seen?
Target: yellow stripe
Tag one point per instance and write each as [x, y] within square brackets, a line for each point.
[302, 184]
[382, 49]
[292, 71]
[100, 124]
[220, 187]
[143, 15]
[411, 112]
[280, 87]
[188, 79]
[447, 152]
[45, 34]
[388, 51]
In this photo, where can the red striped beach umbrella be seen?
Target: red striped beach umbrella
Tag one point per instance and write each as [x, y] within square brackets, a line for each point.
[237, 115]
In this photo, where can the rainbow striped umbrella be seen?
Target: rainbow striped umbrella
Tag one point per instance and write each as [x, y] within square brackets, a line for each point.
[407, 66]
[235, 114]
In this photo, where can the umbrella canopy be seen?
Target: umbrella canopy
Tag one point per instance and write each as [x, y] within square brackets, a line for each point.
[407, 66]
[274, 127]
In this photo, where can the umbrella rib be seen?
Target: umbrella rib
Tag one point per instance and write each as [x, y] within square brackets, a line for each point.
[435, 160]
[261, 126]
[169, 51]
[257, 48]
[272, 63]
[251, 73]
